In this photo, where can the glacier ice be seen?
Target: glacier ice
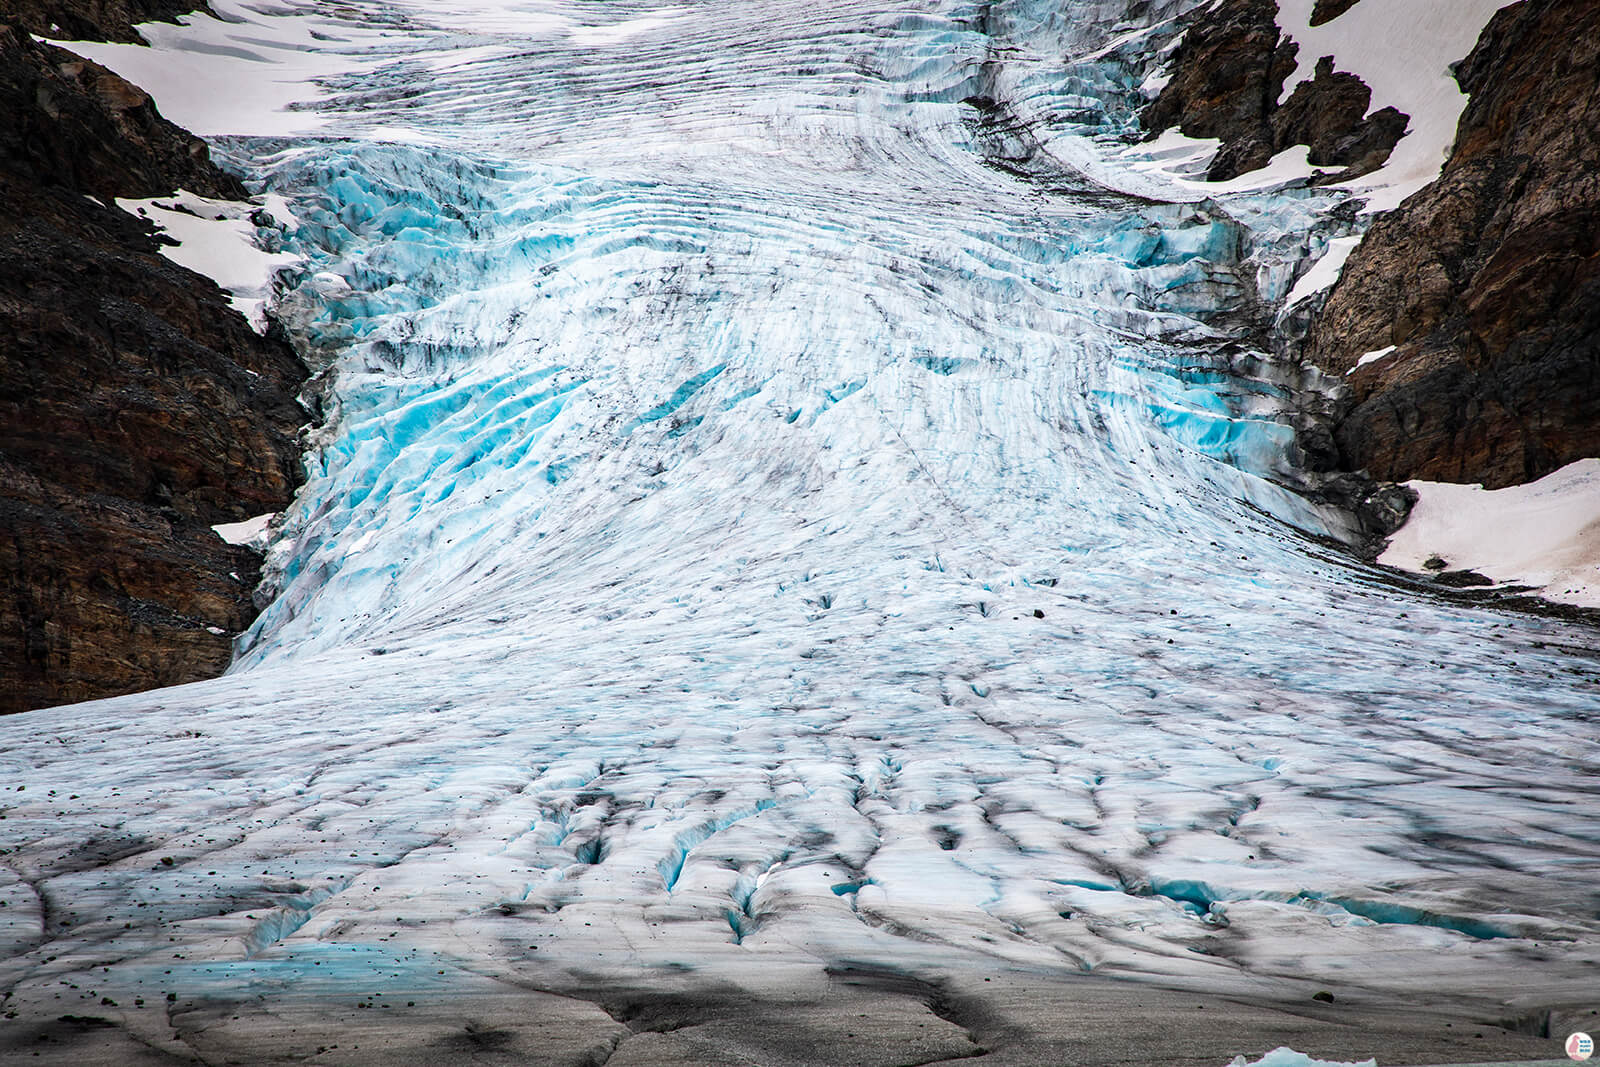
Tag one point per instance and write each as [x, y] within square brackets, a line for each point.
[1284, 1056]
[760, 524]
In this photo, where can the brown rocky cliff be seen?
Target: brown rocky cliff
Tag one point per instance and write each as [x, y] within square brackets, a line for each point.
[136, 407]
[1487, 282]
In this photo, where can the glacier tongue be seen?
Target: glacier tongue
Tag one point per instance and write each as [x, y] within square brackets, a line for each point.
[756, 531]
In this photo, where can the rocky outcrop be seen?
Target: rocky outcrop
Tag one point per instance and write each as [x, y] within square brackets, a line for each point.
[1467, 323]
[1486, 284]
[1328, 10]
[136, 407]
[1227, 76]
[99, 20]
[74, 125]
[1328, 114]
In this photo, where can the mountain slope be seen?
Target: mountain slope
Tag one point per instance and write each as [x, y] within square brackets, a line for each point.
[1485, 286]
[137, 408]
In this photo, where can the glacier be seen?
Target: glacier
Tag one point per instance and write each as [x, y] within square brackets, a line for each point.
[782, 508]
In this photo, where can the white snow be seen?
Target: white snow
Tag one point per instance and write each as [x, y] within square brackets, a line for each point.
[216, 238]
[618, 32]
[1293, 164]
[1403, 50]
[1324, 273]
[249, 532]
[1372, 357]
[1174, 166]
[1129, 37]
[1176, 155]
[1545, 534]
[1284, 1056]
[247, 69]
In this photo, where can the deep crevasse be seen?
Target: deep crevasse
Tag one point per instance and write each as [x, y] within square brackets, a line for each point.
[755, 527]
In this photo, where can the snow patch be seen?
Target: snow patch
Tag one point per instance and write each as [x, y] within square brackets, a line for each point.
[1372, 357]
[1182, 161]
[1545, 534]
[244, 71]
[1292, 165]
[1175, 155]
[216, 238]
[1116, 43]
[1403, 52]
[1324, 273]
[252, 532]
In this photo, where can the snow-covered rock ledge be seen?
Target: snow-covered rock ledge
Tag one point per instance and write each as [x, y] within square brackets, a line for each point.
[1544, 535]
[218, 238]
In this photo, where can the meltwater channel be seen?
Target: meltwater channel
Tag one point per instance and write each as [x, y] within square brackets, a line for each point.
[770, 514]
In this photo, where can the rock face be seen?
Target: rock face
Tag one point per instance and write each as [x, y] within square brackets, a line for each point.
[1487, 282]
[101, 20]
[136, 407]
[1227, 76]
[1328, 10]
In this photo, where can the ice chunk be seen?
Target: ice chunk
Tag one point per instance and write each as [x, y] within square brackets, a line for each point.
[1283, 1056]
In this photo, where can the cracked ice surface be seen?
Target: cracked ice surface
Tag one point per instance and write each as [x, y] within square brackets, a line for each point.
[754, 532]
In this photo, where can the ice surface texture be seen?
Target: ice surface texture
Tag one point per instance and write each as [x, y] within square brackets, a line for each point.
[754, 532]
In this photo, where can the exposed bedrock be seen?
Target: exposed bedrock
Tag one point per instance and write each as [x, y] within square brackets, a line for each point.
[77, 20]
[1227, 76]
[1328, 10]
[1487, 282]
[1478, 300]
[137, 408]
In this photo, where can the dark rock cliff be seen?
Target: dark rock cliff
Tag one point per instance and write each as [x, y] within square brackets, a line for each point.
[1487, 282]
[137, 408]
[99, 20]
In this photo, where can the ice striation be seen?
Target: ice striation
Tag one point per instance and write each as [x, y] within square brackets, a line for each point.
[776, 513]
